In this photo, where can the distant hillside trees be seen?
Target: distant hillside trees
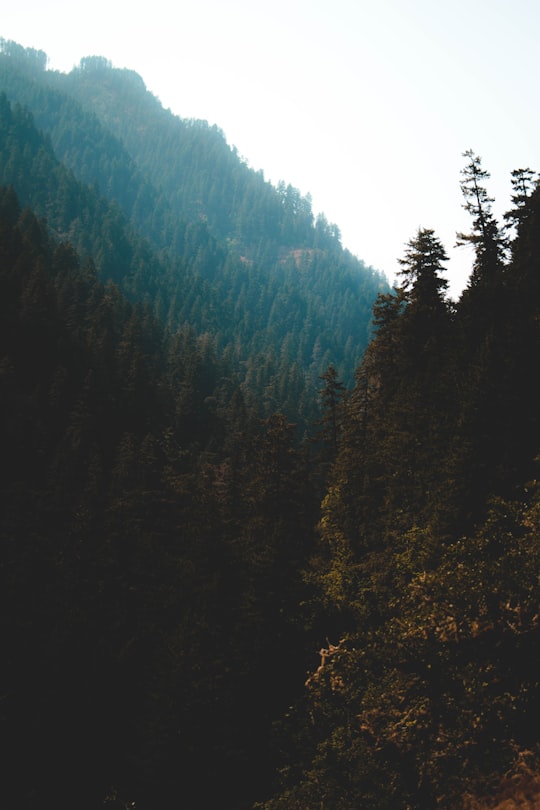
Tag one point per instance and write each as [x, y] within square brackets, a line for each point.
[169, 211]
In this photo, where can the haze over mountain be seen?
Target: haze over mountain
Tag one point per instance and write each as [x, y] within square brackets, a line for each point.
[354, 101]
[238, 259]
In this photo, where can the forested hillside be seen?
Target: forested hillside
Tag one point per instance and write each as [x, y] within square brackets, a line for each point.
[427, 568]
[197, 494]
[151, 549]
[184, 223]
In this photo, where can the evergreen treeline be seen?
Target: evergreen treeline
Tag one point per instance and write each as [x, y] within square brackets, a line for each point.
[173, 554]
[427, 569]
[172, 214]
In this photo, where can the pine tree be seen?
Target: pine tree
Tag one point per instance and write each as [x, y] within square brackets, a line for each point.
[330, 424]
[490, 246]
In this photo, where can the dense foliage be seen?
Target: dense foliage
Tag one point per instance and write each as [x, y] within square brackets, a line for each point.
[174, 548]
[427, 569]
[151, 548]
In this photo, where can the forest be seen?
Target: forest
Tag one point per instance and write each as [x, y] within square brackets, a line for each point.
[270, 529]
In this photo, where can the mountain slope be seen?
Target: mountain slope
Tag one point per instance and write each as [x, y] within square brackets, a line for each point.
[246, 263]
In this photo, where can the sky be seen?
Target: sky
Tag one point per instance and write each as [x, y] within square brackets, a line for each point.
[367, 105]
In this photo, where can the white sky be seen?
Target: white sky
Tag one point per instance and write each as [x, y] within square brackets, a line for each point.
[366, 104]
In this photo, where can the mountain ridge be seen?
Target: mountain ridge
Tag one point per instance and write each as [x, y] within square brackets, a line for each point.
[205, 212]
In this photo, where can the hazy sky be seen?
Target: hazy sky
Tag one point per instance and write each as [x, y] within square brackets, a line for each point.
[366, 104]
